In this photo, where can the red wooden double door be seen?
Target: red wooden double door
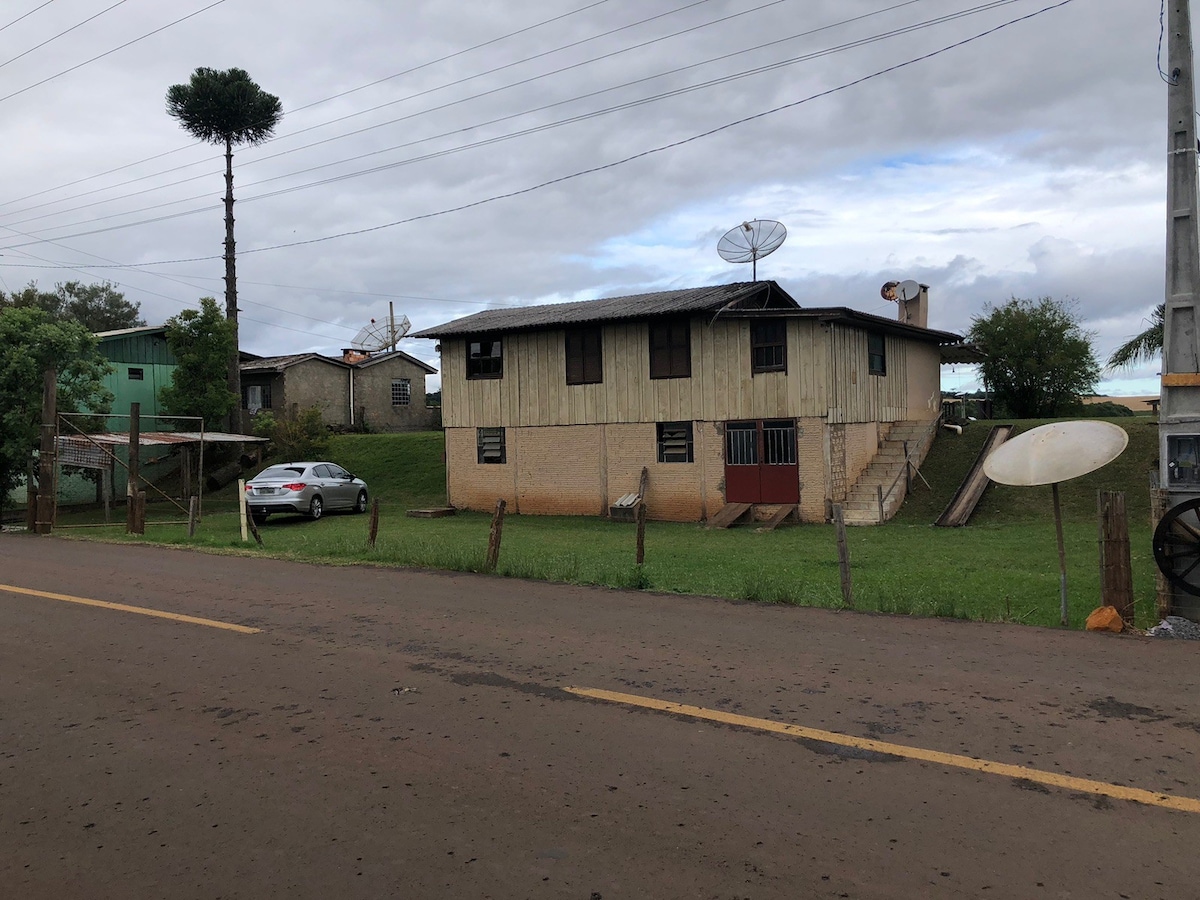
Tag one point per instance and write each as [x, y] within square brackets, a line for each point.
[761, 463]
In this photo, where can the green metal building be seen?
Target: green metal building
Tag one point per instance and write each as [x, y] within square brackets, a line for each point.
[143, 364]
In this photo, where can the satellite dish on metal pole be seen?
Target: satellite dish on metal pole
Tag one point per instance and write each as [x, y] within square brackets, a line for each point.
[751, 241]
[901, 292]
[1052, 453]
[376, 336]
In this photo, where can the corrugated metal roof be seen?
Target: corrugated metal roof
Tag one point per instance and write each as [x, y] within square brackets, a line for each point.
[279, 363]
[380, 357]
[125, 332]
[635, 306]
[160, 438]
[855, 318]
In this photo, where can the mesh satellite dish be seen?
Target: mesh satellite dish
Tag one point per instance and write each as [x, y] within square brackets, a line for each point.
[381, 335]
[751, 241]
[1052, 453]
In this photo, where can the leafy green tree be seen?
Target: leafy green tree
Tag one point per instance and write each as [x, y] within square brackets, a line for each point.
[226, 108]
[1143, 347]
[1038, 361]
[33, 342]
[302, 437]
[97, 307]
[201, 341]
[29, 297]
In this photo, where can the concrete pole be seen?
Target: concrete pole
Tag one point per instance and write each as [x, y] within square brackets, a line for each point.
[1180, 408]
[1179, 412]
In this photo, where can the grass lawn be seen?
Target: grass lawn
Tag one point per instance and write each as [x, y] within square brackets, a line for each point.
[1002, 567]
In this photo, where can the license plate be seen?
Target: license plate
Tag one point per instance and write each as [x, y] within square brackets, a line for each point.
[262, 490]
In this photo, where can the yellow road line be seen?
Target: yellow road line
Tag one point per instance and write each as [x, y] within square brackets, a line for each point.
[1084, 785]
[123, 607]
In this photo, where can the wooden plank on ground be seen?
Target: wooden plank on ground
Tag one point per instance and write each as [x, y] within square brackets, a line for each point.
[729, 514]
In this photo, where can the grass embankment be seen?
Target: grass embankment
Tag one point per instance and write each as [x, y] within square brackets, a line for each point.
[1002, 567]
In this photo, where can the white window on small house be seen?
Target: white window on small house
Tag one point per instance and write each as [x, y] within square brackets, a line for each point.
[401, 392]
[256, 397]
[489, 443]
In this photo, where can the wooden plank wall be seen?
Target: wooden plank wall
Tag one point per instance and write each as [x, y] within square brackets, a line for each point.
[826, 376]
[857, 395]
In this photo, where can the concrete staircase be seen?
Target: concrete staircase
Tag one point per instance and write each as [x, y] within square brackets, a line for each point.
[885, 474]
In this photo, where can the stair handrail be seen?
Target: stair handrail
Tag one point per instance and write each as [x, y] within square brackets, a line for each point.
[883, 497]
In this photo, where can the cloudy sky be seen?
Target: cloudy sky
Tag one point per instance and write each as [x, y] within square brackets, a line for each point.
[451, 157]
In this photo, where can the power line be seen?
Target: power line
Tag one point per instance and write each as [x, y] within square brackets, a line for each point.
[25, 15]
[424, 112]
[620, 162]
[110, 52]
[991, 4]
[252, 161]
[61, 33]
[306, 106]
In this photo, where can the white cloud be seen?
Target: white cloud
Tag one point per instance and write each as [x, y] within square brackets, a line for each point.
[1028, 163]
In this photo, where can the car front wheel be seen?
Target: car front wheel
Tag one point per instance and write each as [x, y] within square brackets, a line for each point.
[315, 508]
[361, 505]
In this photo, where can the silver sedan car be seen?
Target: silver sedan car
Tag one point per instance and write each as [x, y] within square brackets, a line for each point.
[308, 488]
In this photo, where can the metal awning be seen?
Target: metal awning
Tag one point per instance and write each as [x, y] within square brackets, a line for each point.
[89, 451]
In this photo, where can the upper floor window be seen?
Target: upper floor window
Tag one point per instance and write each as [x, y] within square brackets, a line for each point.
[768, 345]
[671, 349]
[136, 374]
[485, 358]
[876, 354]
[401, 391]
[585, 359]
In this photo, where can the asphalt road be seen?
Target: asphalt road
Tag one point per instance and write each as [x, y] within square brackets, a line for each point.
[405, 734]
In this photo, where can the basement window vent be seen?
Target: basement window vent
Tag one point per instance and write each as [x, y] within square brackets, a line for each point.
[675, 442]
[489, 444]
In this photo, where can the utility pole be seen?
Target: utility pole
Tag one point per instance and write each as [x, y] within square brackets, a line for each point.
[1179, 413]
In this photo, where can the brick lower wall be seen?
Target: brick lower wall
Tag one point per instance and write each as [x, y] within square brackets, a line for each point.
[862, 443]
[582, 469]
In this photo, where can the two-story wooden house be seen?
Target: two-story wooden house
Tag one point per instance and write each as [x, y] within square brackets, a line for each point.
[727, 394]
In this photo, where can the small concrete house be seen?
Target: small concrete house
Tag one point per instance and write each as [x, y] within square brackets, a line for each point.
[381, 391]
[728, 394]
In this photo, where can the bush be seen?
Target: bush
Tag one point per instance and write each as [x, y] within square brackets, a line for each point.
[302, 437]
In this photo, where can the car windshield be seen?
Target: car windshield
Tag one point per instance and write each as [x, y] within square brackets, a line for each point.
[279, 473]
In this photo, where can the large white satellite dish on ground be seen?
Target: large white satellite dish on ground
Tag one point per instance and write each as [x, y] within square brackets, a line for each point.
[1052, 453]
[1056, 452]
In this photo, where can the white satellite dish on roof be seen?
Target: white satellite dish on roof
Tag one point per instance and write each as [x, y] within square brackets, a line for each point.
[381, 335]
[751, 241]
[900, 291]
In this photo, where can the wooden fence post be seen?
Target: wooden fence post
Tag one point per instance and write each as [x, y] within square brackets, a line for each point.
[31, 496]
[641, 531]
[373, 532]
[44, 521]
[242, 508]
[253, 526]
[135, 451]
[193, 511]
[139, 512]
[493, 552]
[843, 556]
[1159, 503]
[1116, 576]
